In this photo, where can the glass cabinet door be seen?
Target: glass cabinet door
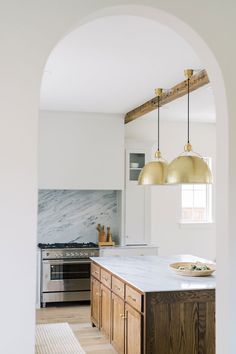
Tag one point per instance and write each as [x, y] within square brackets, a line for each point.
[136, 163]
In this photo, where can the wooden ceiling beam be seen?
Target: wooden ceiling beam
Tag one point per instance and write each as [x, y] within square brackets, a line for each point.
[196, 81]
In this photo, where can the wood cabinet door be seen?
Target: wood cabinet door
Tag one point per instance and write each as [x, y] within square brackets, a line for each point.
[95, 302]
[133, 331]
[118, 324]
[105, 318]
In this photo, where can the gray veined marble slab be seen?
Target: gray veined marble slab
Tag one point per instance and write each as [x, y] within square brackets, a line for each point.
[72, 215]
[152, 273]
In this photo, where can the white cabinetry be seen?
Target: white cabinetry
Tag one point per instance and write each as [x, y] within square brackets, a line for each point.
[137, 200]
[128, 251]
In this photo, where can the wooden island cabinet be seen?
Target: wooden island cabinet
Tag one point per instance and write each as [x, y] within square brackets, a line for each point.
[151, 322]
[118, 323]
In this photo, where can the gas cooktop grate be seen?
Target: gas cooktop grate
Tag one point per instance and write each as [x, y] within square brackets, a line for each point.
[68, 245]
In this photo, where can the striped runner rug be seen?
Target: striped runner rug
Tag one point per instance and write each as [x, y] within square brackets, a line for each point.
[56, 338]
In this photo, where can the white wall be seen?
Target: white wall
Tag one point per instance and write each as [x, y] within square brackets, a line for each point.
[81, 150]
[166, 231]
[28, 32]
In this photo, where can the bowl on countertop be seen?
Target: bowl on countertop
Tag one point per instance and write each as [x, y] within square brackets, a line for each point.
[185, 269]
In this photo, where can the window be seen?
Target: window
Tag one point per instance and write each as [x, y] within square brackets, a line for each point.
[196, 204]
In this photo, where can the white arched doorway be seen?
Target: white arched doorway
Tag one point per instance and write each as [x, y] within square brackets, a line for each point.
[215, 75]
[26, 42]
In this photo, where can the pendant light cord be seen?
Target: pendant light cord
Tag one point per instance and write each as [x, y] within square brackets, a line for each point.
[158, 124]
[188, 112]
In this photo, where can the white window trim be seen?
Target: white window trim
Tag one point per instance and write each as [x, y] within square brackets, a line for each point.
[197, 225]
[209, 201]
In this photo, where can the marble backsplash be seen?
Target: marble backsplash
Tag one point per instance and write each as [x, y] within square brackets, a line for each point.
[72, 215]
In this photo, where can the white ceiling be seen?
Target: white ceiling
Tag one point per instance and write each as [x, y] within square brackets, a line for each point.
[113, 64]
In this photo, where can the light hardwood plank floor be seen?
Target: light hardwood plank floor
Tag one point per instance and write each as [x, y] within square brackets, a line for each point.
[78, 318]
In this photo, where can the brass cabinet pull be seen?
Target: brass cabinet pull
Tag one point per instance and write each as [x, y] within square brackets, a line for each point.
[132, 298]
[123, 316]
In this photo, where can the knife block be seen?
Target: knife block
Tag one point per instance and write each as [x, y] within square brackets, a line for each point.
[109, 241]
[102, 237]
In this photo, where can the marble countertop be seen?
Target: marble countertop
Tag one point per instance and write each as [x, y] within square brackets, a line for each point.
[152, 273]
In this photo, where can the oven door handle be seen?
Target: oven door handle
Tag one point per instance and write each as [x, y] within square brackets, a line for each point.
[62, 261]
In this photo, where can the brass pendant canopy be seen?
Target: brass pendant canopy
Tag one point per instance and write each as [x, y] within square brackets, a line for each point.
[155, 172]
[189, 167]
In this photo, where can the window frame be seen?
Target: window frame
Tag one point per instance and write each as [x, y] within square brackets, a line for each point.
[209, 203]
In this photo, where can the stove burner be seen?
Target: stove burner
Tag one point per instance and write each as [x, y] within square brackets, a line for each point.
[67, 245]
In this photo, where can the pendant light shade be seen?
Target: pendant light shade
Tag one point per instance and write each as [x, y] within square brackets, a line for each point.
[189, 167]
[155, 172]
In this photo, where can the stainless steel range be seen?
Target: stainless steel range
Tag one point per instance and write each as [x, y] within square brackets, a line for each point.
[65, 271]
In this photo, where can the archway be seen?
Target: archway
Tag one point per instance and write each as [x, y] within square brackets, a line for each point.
[217, 82]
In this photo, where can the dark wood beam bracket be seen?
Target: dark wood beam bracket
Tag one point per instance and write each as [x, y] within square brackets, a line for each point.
[196, 81]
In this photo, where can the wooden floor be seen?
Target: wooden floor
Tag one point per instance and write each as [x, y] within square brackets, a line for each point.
[78, 317]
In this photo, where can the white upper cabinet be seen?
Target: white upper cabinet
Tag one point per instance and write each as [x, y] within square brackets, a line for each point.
[81, 151]
[136, 161]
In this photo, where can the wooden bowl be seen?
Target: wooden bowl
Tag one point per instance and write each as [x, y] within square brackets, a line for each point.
[192, 273]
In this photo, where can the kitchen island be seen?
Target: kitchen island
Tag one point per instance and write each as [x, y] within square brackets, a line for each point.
[144, 307]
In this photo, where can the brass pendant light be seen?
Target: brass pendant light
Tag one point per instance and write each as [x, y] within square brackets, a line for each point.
[155, 172]
[189, 167]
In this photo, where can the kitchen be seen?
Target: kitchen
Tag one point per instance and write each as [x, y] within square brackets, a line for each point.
[87, 174]
[29, 31]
